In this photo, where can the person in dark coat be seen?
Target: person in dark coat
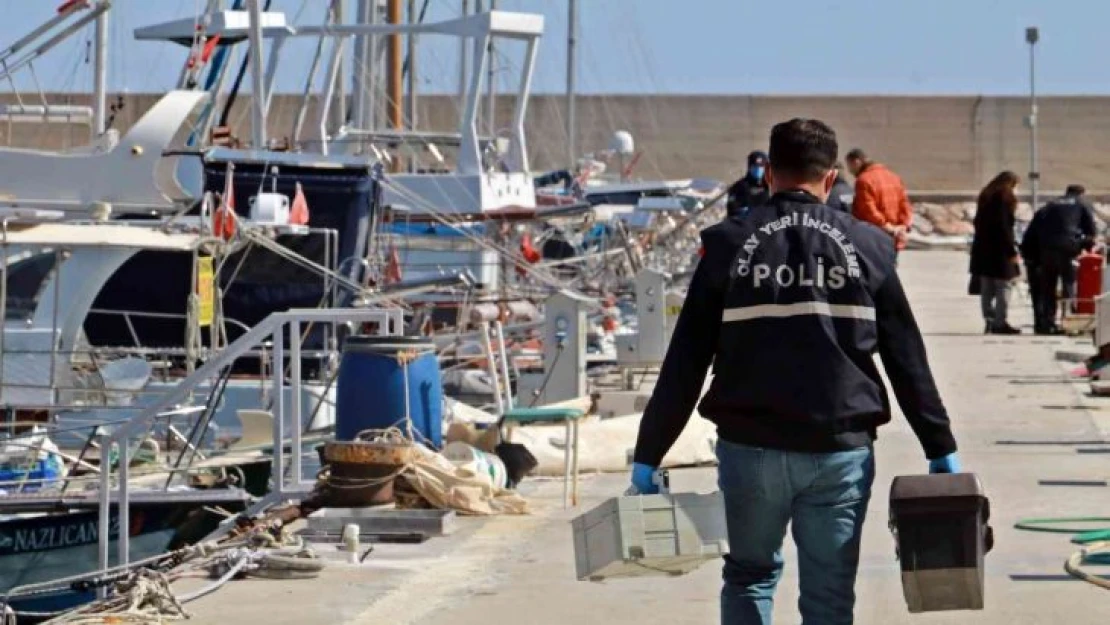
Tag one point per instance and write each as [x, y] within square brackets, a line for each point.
[1059, 232]
[994, 253]
[842, 192]
[1030, 249]
[751, 191]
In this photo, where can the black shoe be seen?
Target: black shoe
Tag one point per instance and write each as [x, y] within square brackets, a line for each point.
[1005, 329]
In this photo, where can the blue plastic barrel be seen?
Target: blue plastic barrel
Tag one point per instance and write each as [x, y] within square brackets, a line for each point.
[370, 391]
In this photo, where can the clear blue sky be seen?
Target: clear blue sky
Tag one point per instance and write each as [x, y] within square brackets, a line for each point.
[693, 46]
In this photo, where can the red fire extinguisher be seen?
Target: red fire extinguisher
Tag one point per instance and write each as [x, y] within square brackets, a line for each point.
[1088, 282]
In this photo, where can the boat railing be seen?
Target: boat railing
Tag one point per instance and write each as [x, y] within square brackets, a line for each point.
[479, 31]
[23, 484]
[275, 328]
[129, 315]
[158, 357]
[67, 22]
[38, 432]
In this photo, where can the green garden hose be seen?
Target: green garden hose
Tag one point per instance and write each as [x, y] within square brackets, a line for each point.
[1065, 525]
[1096, 542]
[1091, 537]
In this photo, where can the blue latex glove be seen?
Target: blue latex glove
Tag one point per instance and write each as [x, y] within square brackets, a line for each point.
[643, 480]
[947, 464]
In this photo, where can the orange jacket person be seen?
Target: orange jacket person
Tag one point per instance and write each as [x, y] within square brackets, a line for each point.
[880, 197]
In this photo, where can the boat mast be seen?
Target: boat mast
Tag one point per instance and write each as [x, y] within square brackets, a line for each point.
[258, 79]
[491, 105]
[463, 50]
[339, 106]
[100, 74]
[363, 69]
[414, 19]
[395, 104]
[572, 79]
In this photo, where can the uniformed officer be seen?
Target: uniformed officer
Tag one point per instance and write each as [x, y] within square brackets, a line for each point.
[1056, 236]
[842, 193]
[789, 304]
[751, 190]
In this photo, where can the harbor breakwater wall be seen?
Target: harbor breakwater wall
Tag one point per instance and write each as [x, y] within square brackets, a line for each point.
[937, 144]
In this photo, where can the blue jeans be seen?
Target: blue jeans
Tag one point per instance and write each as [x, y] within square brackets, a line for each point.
[824, 497]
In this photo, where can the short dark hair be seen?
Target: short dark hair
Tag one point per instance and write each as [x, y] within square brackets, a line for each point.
[856, 154]
[803, 147]
[1075, 190]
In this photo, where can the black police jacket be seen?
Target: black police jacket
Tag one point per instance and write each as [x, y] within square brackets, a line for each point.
[1064, 226]
[789, 304]
[746, 193]
[841, 195]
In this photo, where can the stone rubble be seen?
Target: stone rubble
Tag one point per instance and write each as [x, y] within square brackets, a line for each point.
[955, 219]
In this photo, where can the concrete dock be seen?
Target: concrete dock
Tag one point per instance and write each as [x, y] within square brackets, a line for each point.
[1019, 420]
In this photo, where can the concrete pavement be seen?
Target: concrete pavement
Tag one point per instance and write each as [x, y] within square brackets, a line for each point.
[1018, 418]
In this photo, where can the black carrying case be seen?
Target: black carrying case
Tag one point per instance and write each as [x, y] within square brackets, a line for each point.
[940, 527]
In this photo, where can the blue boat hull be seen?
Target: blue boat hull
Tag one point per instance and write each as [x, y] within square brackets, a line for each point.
[37, 549]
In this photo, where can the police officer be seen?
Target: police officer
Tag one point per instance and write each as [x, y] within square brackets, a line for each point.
[842, 193]
[789, 304]
[1030, 252]
[751, 190]
[1058, 233]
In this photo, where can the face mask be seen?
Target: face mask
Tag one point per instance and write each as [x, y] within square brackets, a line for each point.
[756, 171]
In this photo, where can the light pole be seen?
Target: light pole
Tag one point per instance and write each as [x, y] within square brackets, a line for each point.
[572, 78]
[1031, 37]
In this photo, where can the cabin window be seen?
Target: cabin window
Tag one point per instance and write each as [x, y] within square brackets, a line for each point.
[26, 276]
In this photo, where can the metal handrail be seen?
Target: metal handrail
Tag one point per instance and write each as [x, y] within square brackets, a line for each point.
[254, 337]
[389, 321]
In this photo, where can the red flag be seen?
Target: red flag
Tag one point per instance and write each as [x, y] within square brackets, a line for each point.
[223, 222]
[66, 6]
[528, 250]
[298, 212]
[209, 47]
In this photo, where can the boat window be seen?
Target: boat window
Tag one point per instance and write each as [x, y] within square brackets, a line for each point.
[25, 279]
